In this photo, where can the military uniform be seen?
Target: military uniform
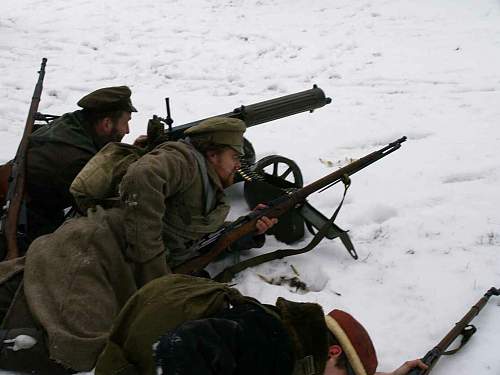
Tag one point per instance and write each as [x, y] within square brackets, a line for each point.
[165, 202]
[210, 328]
[58, 152]
[180, 325]
[77, 279]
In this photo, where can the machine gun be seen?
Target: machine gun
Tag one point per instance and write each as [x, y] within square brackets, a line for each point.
[259, 185]
[13, 221]
[258, 113]
[161, 130]
[462, 328]
[215, 244]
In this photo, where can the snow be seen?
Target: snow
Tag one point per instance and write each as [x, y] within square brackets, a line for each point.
[424, 220]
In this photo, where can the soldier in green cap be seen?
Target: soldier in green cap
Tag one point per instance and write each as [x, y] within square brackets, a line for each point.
[59, 151]
[76, 280]
[179, 189]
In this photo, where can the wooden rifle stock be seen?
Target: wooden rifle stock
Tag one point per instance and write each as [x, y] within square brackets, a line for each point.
[462, 328]
[15, 194]
[198, 263]
[5, 172]
[246, 224]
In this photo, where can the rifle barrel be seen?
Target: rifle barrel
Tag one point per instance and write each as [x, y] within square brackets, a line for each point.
[349, 170]
[269, 110]
[15, 193]
[433, 355]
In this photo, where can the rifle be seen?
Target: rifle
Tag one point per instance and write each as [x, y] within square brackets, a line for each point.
[462, 328]
[213, 245]
[253, 114]
[10, 221]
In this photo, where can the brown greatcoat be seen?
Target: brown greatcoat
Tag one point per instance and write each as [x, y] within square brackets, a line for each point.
[78, 278]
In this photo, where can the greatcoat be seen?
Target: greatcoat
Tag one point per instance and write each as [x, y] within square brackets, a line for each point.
[78, 278]
[55, 155]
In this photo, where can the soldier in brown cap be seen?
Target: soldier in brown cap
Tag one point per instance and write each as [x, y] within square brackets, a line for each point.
[58, 152]
[190, 326]
[351, 351]
[77, 279]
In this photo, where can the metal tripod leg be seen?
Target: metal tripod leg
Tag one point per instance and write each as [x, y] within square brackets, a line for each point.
[316, 219]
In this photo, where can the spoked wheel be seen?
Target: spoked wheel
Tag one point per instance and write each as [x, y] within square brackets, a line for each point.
[280, 168]
[276, 176]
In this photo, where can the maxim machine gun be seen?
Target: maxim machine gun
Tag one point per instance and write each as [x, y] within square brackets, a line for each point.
[265, 179]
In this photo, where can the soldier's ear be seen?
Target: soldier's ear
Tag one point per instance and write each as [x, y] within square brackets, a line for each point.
[211, 155]
[108, 124]
[334, 351]
[104, 126]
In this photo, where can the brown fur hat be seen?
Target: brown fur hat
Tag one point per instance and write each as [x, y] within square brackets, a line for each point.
[305, 323]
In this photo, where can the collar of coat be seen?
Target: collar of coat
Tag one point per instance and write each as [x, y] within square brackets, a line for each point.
[214, 177]
[305, 324]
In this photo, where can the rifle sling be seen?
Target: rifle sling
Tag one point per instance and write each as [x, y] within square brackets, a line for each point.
[228, 273]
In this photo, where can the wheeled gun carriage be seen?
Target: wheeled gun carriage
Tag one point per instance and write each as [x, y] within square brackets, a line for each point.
[267, 178]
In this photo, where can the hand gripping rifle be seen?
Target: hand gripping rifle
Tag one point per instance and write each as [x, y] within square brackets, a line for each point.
[212, 246]
[462, 328]
[12, 217]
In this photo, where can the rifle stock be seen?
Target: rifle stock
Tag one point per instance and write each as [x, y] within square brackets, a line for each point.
[246, 224]
[5, 171]
[15, 193]
[461, 329]
[198, 263]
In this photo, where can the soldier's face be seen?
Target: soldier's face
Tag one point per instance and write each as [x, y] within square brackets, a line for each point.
[120, 127]
[225, 163]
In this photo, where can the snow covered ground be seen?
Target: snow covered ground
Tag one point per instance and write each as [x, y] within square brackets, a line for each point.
[425, 220]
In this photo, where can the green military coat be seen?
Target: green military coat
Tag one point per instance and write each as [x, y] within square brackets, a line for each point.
[55, 155]
[166, 202]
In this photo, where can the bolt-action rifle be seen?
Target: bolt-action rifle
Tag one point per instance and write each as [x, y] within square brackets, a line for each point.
[12, 219]
[462, 328]
[213, 245]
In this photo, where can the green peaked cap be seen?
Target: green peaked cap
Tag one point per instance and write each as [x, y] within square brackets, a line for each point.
[220, 130]
[108, 99]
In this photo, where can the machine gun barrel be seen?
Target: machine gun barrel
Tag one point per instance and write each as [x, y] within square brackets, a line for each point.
[269, 110]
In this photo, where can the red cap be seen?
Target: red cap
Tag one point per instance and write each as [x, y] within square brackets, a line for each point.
[354, 340]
